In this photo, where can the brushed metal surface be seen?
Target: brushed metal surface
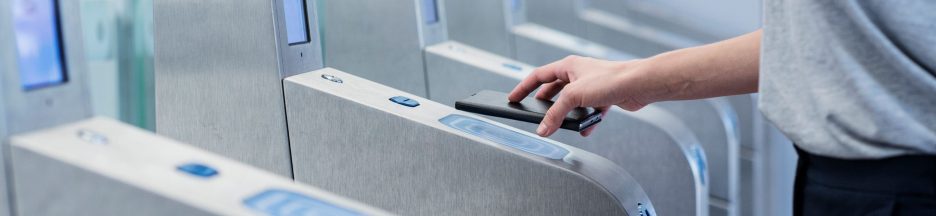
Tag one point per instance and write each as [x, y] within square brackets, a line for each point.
[561, 15]
[355, 39]
[652, 16]
[359, 144]
[134, 173]
[23, 111]
[655, 158]
[725, 169]
[481, 23]
[614, 31]
[581, 18]
[539, 45]
[218, 79]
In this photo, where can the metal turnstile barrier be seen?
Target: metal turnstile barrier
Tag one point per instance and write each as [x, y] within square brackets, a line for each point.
[103, 167]
[452, 69]
[59, 161]
[388, 148]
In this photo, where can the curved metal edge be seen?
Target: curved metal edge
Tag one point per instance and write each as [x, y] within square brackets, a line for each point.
[612, 178]
[731, 122]
[618, 182]
[689, 144]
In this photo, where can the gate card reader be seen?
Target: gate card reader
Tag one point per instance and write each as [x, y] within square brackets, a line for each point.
[128, 171]
[531, 110]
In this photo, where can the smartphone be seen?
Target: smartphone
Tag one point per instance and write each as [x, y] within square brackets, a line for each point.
[531, 110]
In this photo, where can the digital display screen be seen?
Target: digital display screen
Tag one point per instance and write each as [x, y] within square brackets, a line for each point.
[39, 43]
[297, 24]
[430, 11]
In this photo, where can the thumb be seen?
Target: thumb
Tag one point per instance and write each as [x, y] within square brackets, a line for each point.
[555, 115]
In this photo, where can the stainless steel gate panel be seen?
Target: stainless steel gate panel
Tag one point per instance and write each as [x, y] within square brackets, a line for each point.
[591, 20]
[25, 109]
[412, 156]
[103, 167]
[219, 67]
[349, 46]
[538, 45]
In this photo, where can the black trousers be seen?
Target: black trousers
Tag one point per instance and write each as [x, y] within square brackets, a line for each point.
[903, 185]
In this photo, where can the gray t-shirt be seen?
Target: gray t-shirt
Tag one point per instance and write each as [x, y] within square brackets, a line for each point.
[852, 79]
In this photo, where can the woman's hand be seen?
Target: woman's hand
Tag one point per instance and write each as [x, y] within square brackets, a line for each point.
[589, 82]
[728, 67]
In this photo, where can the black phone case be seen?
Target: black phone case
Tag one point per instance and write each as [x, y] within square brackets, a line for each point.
[529, 110]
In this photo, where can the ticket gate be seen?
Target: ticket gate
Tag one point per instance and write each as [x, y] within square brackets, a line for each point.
[721, 141]
[653, 28]
[632, 140]
[58, 161]
[456, 71]
[640, 35]
[717, 132]
[357, 138]
[637, 19]
[115, 169]
[462, 154]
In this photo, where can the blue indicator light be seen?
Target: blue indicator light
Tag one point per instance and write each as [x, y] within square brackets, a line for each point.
[197, 169]
[277, 202]
[504, 136]
[700, 162]
[405, 101]
[513, 67]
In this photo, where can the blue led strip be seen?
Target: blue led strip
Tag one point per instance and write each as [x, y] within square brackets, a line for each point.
[700, 162]
[277, 202]
[197, 169]
[504, 136]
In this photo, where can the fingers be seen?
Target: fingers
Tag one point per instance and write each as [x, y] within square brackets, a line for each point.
[555, 115]
[550, 90]
[545, 74]
[603, 111]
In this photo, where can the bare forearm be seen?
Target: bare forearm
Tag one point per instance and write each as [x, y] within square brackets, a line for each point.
[724, 68]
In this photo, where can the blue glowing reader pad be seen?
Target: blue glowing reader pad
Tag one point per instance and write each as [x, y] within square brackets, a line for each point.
[504, 136]
[276, 202]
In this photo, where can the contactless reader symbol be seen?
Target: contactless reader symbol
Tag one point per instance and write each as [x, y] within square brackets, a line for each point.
[332, 78]
[504, 136]
[278, 202]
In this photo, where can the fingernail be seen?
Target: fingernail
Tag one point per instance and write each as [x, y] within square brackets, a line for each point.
[541, 130]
